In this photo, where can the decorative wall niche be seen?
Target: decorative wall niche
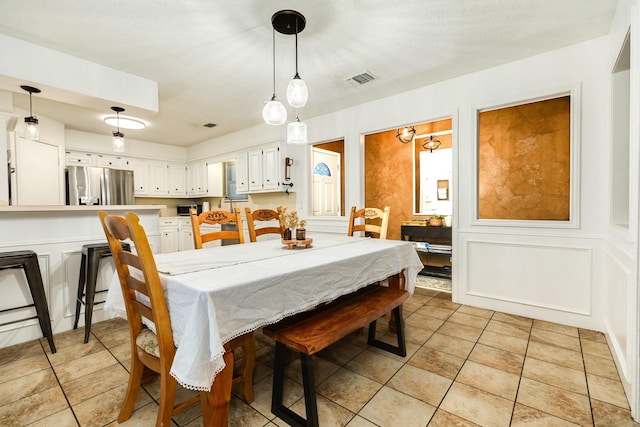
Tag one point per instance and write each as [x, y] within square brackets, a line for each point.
[525, 161]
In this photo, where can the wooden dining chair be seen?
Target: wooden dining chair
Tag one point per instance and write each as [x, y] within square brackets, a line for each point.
[365, 215]
[216, 217]
[262, 215]
[154, 351]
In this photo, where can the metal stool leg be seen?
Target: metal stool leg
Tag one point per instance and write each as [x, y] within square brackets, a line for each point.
[81, 279]
[34, 279]
[93, 262]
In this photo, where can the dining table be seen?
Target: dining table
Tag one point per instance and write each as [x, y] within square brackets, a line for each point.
[219, 293]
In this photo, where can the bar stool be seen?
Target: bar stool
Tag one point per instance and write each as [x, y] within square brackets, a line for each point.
[28, 261]
[91, 255]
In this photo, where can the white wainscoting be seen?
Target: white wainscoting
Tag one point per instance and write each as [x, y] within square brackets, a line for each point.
[551, 277]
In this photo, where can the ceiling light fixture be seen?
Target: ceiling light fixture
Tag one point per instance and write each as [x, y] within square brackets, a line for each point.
[406, 135]
[297, 132]
[124, 122]
[292, 22]
[273, 112]
[431, 144]
[31, 132]
[118, 137]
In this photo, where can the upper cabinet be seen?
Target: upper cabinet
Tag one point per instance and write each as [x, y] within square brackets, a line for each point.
[114, 162]
[265, 170]
[242, 172]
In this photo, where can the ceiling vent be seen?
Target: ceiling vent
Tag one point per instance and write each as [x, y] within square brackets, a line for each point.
[209, 125]
[360, 79]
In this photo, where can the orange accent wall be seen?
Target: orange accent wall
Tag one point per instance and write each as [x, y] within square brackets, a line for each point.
[524, 161]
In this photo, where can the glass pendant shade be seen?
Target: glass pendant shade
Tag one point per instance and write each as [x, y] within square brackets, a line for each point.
[297, 132]
[118, 142]
[32, 133]
[274, 112]
[297, 92]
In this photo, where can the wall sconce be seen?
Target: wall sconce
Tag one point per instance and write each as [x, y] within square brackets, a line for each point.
[431, 144]
[406, 135]
[31, 132]
[118, 137]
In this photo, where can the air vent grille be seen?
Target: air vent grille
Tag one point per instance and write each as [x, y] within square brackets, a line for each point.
[209, 125]
[360, 79]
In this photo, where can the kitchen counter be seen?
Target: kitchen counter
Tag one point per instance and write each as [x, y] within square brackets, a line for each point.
[57, 234]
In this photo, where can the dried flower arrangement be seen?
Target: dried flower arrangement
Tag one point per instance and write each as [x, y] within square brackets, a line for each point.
[290, 220]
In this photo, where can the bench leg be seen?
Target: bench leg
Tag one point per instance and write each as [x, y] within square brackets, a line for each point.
[401, 349]
[277, 407]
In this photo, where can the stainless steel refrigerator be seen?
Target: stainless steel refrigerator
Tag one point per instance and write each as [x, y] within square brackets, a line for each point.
[99, 186]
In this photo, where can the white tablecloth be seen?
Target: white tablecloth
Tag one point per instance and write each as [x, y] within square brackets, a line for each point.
[217, 294]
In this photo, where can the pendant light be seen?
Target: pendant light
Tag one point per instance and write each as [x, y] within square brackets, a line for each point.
[273, 112]
[31, 131]
[297, 92]
[297, 132]
[118, 137]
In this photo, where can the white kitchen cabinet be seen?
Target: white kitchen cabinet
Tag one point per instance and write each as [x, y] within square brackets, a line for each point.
[78, 158]
[185, 231]
[169, 237]
[264, 170]
[140, 176]
[242, 173]
[158, 180]
[177, 174]
[114, 162]
[197, 179]
[215, 179]
[37, 176]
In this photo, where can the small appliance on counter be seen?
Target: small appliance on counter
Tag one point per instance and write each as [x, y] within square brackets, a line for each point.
[183, 210]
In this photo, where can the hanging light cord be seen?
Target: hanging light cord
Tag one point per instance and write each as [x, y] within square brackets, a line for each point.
[30, 106]
[296, 50]
[273, 50]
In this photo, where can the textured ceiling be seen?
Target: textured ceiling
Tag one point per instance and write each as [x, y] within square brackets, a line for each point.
[212, 58]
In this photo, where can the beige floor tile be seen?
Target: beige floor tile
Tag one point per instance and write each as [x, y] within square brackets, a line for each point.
[421, 384]
[104, 408]
[464, 332]
[553, 338]
[555, 375]
[342, 351]
[240, 415]
[477, 406]
[416, 334]
[586, 334]
[262, 390]
[561, 403]
[443, 364]
[144, 416]
[358, 421]
[513, 319]
[63, 418]
[74, 351]
[496, 358]
[504, 342]
[322, 369]
[556, 327]
[64, 339]
[444, 419]
[390, 408]
[476, 311]
[553, 354]
[82, 366]
[514, 330]
[329, 413]
[468, 319]
[606, 415]
[423, 321]
[596, 349]
[524, 416]
[448, 344]
[33, 407]
[492, 380]
[603, 367]
[19, 352]
[17, 368]
[95, 383]
[374, 365]
[435, 311]
[348, 389]
[114, 337]
[27, 385]
[443, 303]
[606, 390]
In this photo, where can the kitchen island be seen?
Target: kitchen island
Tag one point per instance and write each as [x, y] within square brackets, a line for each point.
[56, 234]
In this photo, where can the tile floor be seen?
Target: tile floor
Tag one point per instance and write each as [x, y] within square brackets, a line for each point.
[465, 367]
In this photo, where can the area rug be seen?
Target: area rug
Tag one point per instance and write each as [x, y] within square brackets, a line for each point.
[430, 282]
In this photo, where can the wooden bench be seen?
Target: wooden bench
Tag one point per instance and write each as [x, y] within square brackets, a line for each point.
[312, 331]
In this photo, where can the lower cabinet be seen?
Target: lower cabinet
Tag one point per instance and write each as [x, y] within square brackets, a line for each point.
[176, 234]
